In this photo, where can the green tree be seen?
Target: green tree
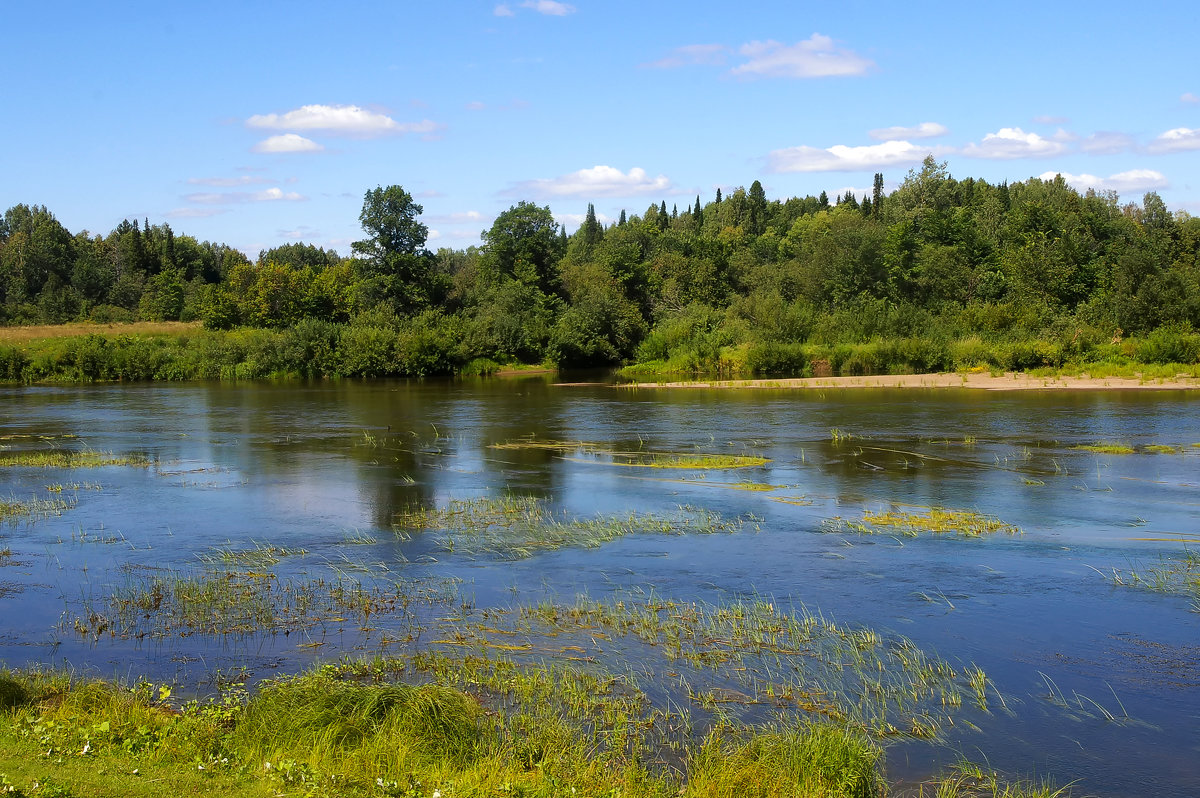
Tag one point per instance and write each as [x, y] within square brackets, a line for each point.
[523, 244]
[392, 259]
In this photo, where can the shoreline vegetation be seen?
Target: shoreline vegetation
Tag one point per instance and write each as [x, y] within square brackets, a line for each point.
[940, 276]
[83, 352]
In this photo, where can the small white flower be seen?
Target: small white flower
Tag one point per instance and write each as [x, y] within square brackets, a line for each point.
[436, 794]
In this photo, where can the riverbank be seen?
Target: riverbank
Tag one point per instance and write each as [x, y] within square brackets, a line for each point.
[1009, 381]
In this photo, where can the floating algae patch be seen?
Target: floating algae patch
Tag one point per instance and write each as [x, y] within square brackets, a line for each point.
[69, 458]
[516, 527]
[1106, 448]
[1160, 448]
[936, 520]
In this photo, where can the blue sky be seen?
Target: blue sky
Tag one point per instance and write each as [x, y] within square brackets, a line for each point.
[260, 123]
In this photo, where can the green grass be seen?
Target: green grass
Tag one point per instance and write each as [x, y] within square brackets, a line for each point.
[69, 458]
[587, 452]
[17, 509]
[1159, 448]
[516, 527]
[1176, 575]
[1106, 448]
[936, 520]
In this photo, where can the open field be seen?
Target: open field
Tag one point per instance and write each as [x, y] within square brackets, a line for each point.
[41, 332]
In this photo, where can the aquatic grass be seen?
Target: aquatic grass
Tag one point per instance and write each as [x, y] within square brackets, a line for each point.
[69, 458]
[516, 527]
[1105, 448]
[1177, 575]
[224, 603]
[261, 555]
[13, 509]
[972, 781]
[936, 520]
[1160, 448]
[605, 455]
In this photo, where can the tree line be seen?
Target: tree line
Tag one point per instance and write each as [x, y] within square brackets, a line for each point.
[940, 273]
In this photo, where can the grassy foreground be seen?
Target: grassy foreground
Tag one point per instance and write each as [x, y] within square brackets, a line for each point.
[424, 727]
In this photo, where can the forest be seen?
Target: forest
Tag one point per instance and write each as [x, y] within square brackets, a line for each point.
[941, 274]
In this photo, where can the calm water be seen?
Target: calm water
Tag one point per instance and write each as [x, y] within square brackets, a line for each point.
[315, 466]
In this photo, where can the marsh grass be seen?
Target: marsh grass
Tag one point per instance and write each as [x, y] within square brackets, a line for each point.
[1177, 575]
[1160, 448]
[261, 555]
[587, 452]
[243, 603]
[470, 727]
[1109, 447]
[516, 527]
[32, 509]
[972, 781]
[69, 458]
[935, 520]
[754, 654]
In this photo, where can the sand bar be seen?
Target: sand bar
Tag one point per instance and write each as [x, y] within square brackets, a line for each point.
[1011, 381]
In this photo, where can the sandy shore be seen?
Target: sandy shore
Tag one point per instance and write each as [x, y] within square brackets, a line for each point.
[985, 382]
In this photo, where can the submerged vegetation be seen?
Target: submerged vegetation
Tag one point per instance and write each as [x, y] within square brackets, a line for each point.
[515, 527]
[583, 451]
[938, 520]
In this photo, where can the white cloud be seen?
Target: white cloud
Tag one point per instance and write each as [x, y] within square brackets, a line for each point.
[1012, 142]
[1188, 97]
[346, 120]
[1051, 120]
[1178, 139]
[691, 55]
[194, 213]
[228, 182]
[815, 57]
[433, 235]
[549, 7]
[840, 158]
[475, 106]
[1135, 180]
[301, 232]
[231, 197]
[503, 10]
[925, 130]
[455, 218]
[599, 181]
[287, 142]
[1107, 142]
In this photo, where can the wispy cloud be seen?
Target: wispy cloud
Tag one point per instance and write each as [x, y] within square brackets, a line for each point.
[1180, 139]
[598, 181]
[194, 213]
[1051, 120]
[455, 218]
[229, 182]
[692, 55]
[342, 120]
[1133, 180]
[1107, 142]
[841, 158]
[925, 130]
[549, 7]
[815, 57]
[287, 142]
[503, 10]
[1013, 142]
[238, 197]
[1189, 97]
